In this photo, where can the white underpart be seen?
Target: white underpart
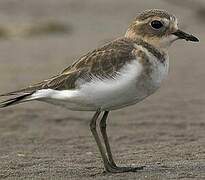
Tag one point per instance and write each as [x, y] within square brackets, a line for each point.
[127, 88]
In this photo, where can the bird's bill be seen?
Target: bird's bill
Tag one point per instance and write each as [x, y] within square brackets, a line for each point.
[188, 37]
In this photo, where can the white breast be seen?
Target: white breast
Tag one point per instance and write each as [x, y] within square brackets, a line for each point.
[159, 71]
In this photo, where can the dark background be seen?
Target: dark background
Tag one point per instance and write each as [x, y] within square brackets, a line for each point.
[165, 132]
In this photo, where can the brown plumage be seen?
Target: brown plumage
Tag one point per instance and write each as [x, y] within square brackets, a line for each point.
[103, 62]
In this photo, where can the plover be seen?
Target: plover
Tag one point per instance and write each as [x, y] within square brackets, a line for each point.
[118, 74]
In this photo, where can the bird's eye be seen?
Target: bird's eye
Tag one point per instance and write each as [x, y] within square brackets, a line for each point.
[156, 24]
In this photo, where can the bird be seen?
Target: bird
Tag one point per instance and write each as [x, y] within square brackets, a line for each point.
[118, 74]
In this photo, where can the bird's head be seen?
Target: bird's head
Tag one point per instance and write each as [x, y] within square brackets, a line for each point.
[157, 27]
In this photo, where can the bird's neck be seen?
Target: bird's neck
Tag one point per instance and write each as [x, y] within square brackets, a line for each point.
[159, 53]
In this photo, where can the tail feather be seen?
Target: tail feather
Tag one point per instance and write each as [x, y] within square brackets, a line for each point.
[9, 94]
[15, 100]
[19, 92]
[23, 95]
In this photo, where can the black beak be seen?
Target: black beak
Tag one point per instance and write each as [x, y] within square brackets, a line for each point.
[188, 37]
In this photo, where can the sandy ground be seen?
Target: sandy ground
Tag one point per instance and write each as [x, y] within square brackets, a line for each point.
[165, 132]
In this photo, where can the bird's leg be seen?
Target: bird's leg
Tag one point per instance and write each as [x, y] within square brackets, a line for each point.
[97, 139]
[112, 167]
[105, 138]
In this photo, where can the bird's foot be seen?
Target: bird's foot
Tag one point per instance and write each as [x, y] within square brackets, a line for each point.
[116, 169]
